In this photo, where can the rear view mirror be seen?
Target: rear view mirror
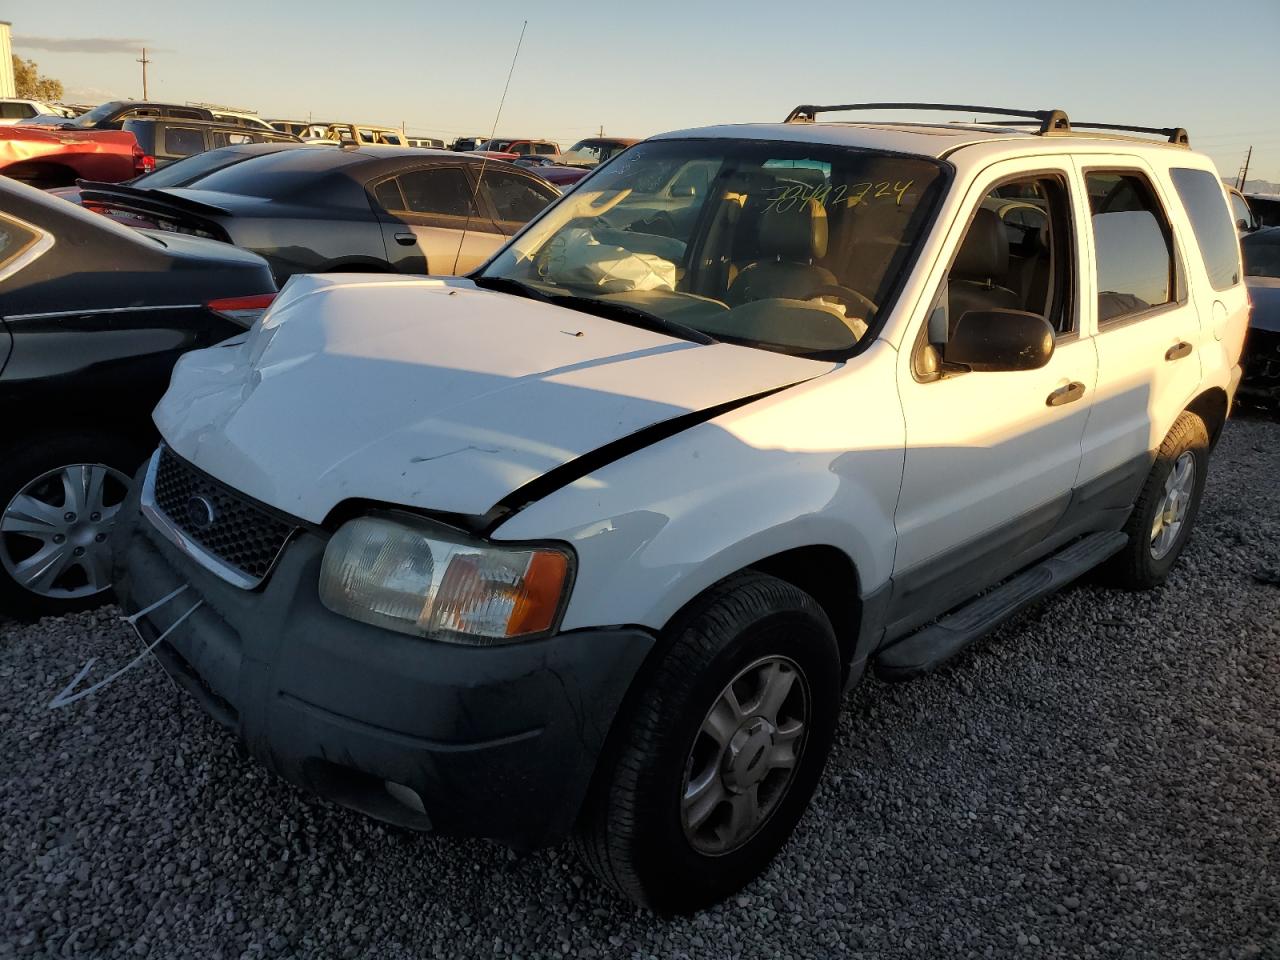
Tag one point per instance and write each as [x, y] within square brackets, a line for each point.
[1000, 340]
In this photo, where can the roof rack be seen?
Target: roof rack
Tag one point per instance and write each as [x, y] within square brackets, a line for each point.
[1175, 135]
[1051, 121]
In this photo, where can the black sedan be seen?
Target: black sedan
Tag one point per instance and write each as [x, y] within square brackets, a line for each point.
[93, 316]
[321, 208]
[1262, 348]
[183, 173]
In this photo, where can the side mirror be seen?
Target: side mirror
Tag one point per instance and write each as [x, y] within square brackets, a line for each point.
[684, 190]
[996, 340]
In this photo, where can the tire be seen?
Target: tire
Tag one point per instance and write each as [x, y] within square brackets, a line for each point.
[632, 833]
[22, 466]
[1141, 566]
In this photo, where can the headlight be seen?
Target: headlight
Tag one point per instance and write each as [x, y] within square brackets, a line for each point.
[417, 577]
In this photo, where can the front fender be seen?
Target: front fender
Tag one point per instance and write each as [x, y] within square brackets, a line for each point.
[808, 466]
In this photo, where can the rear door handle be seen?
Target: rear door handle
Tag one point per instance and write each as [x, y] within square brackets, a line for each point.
[1178, 351]
[406, 239]
[1072, 392]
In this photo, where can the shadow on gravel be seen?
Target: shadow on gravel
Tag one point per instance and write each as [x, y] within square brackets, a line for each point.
[1098, 779]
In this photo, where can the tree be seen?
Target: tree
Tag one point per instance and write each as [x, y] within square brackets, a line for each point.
[30, 85]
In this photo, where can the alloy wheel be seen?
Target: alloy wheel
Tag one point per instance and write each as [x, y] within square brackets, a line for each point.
[55, 534]
[1171, 514]
[745, 756]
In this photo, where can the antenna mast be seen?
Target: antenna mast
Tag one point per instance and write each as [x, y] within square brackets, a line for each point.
[493, 132]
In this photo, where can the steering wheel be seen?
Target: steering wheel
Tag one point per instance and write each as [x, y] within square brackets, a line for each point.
[841, 292]
[660, 224]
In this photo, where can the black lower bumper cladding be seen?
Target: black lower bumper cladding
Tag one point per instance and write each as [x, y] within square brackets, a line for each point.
[483, 741]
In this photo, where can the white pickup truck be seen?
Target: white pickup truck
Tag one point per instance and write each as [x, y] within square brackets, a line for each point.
[591, 542]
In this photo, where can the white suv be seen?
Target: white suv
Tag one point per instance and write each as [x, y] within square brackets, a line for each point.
[593, 541]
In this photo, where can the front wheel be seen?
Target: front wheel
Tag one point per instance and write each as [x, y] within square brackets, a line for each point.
[1166, 508]
[720, 748]
[58, 503]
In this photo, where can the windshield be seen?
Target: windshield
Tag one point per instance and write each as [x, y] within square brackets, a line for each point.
[586, 154]
[1262, 254]
[100, 112]
[784, 246]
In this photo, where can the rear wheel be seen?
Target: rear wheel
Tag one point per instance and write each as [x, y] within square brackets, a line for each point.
[58, 504]
[1166, 509]
[719, 750]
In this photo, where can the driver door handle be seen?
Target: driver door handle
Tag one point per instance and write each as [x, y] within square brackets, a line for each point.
[1072, 392]
[1178, 351]
[406, 239]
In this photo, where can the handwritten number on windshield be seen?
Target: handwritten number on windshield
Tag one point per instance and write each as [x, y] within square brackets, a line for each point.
[798, 195]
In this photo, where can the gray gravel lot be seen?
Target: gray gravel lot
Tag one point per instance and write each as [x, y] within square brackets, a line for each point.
[1099, 779]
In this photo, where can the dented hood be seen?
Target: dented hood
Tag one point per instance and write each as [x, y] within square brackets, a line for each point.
[433, 393]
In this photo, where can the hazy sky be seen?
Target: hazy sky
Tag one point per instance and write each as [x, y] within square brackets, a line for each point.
[638, 68]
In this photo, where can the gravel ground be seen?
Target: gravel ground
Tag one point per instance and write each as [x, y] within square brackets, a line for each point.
[1099, 779]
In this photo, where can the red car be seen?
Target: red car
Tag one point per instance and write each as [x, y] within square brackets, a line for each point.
[57, 157]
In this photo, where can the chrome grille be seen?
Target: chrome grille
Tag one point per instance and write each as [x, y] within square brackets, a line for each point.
[217, 519]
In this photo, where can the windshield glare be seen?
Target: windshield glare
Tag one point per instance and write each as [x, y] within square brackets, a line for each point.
[100, 112]
[587, 154]
[786, 247]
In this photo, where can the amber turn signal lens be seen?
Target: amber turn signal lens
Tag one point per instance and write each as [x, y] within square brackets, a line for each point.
[535, 607]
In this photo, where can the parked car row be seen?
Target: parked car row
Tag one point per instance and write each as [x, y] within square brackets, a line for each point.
[325, 209]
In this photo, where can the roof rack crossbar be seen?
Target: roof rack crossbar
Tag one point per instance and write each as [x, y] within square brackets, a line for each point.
[1051, 121]
[1176, 135]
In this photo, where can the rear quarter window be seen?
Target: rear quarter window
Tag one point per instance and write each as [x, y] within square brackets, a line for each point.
[15, 240]
[1202, 197]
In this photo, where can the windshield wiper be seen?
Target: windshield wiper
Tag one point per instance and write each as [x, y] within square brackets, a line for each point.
[507, 285]
[632, 316]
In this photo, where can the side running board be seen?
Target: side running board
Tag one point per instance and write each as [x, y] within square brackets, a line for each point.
[923, 651]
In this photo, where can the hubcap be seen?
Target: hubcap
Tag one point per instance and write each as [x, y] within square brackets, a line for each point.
[55, 533]
[1171, 514]
[745, 755]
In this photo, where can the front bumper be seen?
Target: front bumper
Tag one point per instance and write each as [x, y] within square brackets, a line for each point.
[483, 741]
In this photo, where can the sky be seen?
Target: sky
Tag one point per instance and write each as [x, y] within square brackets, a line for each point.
[639, 68]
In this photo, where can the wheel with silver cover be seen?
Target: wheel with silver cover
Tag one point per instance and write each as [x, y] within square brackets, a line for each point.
[719, 748]
[58, 504]
[1166, 509]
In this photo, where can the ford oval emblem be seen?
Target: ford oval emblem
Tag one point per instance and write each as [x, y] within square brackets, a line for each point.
[200, 512]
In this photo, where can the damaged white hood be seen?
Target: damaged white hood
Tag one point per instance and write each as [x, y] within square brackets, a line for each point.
[432, 393]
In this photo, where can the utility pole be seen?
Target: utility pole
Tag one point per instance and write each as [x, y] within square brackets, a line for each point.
[601, 133]
[1244, 174]
[144, 61]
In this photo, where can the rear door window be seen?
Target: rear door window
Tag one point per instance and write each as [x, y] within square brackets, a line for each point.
[1133, 245]
[183, 141]
[1201, 196]
[440, 191]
